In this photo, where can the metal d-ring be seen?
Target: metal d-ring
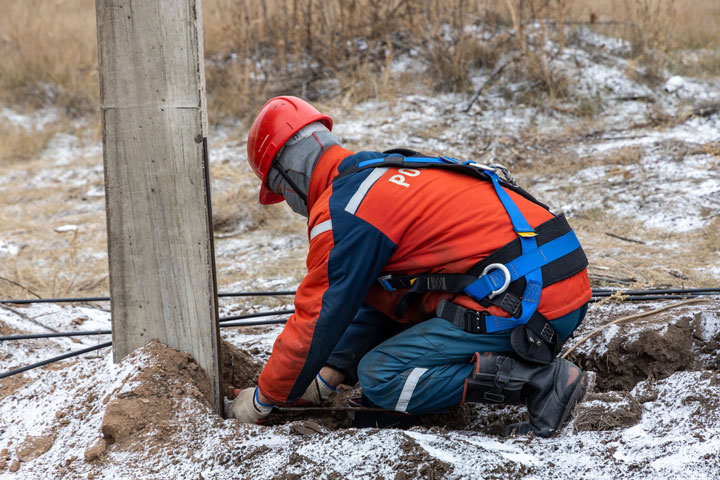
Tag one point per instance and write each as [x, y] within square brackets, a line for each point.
[505, 270]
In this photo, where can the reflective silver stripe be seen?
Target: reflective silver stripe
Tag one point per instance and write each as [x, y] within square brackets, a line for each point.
[320, 228]
[409, 388]
[362, 190]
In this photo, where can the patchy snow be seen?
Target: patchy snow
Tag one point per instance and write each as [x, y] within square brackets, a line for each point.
[677, 436]
[35, 121]
[696, 131]
[64, 149]
[641, 190]
[677, 433]
[8, 248]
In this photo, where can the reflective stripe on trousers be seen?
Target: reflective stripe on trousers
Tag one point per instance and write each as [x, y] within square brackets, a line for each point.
[423, 369]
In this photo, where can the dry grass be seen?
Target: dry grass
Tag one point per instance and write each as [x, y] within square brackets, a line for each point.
[48, 51]
[236, 209]
[330, 51]
[36, 198]
[342, 49]
[18, 144]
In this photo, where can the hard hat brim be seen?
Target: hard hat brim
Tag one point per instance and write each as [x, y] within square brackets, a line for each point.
[268, 197]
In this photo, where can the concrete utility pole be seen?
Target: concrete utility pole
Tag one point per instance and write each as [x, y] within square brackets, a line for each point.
[157, 191]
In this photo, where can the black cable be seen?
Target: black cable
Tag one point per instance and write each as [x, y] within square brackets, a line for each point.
[250, 324]
[596, 293]
[223, 323]
[255, 315]
[54, 359]
[79, 333]
[107, 299]
[57, 300]
[633, 295]
[257, 294]
[99, 346]
[102, 345]
[607, 291]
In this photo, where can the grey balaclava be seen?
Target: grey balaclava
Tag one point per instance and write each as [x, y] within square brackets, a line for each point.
[297, 160]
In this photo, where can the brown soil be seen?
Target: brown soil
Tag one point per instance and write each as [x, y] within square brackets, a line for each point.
[34, 446]
[493, 419]
[239, 369]
[649, 355]
[10, 385]
[414, 462]
[156, 395]
[611, 411]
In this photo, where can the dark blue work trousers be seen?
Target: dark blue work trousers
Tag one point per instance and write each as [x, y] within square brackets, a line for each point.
[421, 369]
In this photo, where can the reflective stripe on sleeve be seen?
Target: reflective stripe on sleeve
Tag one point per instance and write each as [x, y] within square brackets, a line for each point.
[362, 190]
[409, 388]
[320, 228]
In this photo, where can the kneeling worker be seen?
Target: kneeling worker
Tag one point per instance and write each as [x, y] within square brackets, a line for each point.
[431, 281]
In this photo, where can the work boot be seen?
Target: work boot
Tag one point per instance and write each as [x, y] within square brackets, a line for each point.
[550, 391]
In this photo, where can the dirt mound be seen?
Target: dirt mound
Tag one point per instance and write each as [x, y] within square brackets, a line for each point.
[649, 354]
[239, 368]
[150, 399]
[34, 446]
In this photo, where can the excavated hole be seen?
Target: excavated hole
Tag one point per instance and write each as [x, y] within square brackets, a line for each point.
[641, 351]
[651, 353]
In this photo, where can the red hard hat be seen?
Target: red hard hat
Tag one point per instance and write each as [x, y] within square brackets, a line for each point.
[278, 120]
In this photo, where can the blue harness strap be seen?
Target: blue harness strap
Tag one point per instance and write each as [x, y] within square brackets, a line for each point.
[528, 265]
[523, 265]
[533, 277]
[381, 160]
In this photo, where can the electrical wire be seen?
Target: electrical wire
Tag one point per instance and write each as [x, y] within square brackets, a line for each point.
[26, 301]
[54, 359]
[79, 333]
[101, 345]
[602, 292]
[231, 321]
[255, 315]
[224, 323]
[250, 324]
[646, 298]
[597, 292]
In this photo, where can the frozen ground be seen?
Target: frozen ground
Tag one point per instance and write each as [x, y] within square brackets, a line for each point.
[654, 412]
[666, 428]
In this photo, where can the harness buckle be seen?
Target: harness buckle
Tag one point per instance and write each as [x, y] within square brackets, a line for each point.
[474, 321]
[505, 270]
[506, 173]
[384, 281]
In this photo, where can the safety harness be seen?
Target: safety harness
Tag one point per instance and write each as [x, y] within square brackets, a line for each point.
[512, 277]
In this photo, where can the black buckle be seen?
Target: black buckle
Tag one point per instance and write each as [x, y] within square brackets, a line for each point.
[385, 282]
[474, 321]
[492, 397]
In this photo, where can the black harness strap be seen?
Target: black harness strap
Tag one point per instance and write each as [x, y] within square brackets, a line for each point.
[536, 341]
[510, 301]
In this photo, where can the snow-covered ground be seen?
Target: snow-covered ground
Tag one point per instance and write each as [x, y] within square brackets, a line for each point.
[654, 413]
[668, 428]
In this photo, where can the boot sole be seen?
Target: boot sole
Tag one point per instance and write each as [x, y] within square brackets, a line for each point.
[577, 396]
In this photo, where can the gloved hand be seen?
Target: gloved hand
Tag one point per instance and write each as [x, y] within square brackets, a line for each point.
[317, 391]
[247, 407]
